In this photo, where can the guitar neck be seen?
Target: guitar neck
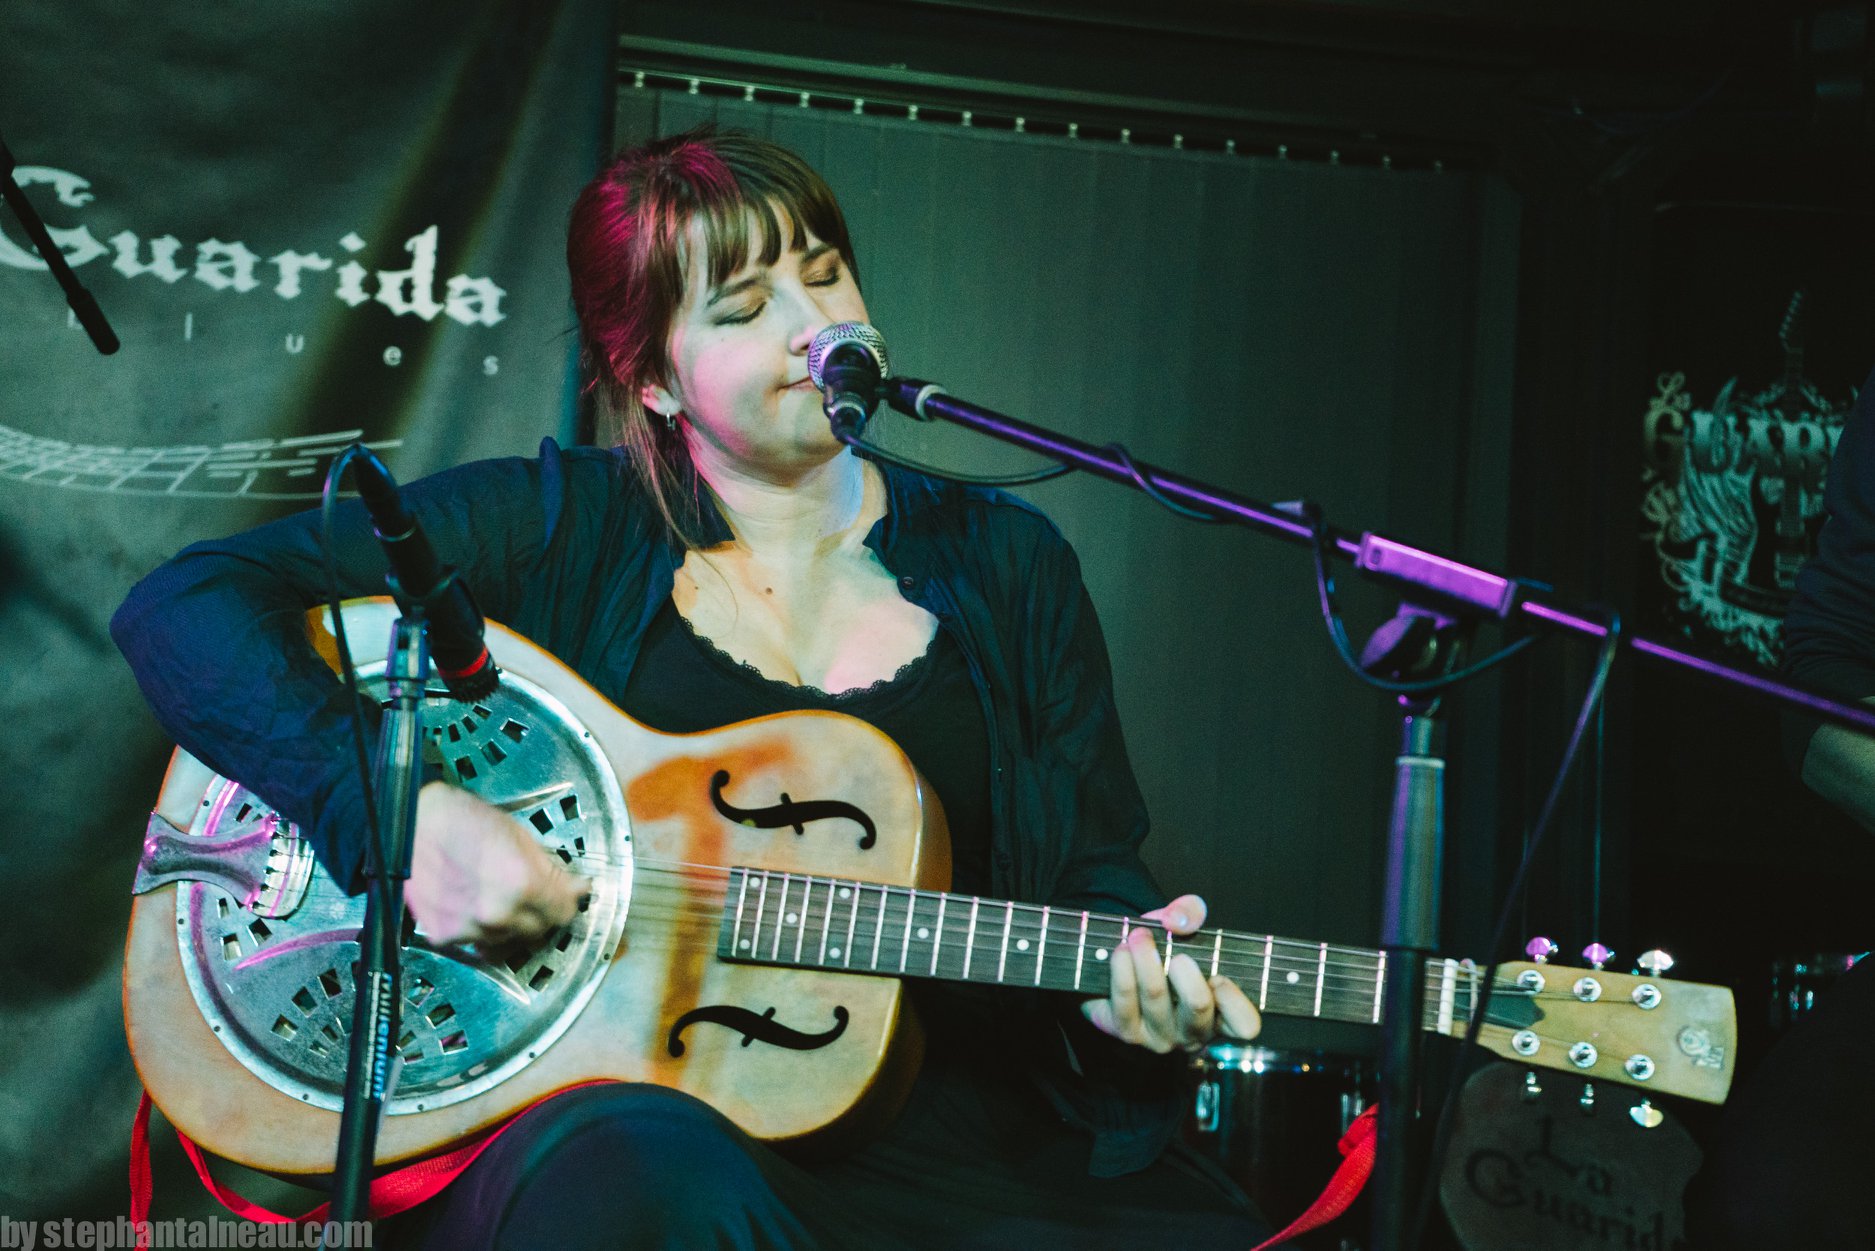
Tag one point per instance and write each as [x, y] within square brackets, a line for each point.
[896, 931]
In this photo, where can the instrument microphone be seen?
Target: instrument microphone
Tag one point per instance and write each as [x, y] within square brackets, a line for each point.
[455, 623]
[847, 362]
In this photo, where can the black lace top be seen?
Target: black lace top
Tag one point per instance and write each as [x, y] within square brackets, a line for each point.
[683, 683]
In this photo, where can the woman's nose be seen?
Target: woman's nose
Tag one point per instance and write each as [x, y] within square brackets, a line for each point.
[811, 316]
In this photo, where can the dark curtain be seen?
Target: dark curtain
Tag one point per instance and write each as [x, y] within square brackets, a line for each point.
[214, 172]
[1285, 329]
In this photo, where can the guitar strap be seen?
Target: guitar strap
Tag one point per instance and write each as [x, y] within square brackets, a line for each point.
[391, 1193]
[404, 1188]
[1357, 1148]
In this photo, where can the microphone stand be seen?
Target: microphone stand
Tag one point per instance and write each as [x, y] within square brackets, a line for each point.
[1462, 595]
[83, 305]
[371, 1065]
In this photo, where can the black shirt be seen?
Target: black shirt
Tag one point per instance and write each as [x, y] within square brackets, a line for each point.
[683, 683]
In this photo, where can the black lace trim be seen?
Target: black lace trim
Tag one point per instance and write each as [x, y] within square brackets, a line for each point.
[905, 671]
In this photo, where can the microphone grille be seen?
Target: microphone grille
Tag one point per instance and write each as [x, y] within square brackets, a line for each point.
[837, 335]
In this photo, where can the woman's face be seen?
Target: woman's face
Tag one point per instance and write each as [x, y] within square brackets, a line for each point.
[738, 356]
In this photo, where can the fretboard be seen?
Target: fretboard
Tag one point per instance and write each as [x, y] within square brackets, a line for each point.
[862, 927]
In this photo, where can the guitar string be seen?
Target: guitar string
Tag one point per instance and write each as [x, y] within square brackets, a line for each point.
[1343, 978]
[1068, 918]
[1288, 999]
[1347, 971]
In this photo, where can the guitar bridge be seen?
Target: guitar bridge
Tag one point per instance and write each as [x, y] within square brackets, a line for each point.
[253, 853]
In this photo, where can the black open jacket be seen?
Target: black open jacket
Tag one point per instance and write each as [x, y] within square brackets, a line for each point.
[1829, 629]
[568, 551]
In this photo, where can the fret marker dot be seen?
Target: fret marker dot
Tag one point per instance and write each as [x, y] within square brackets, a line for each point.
[793, 917]
[845, 893]
[744, 944]
[833, 953]
[1100, 953]
[1022, 944]
[1293, 977]
[923, 933]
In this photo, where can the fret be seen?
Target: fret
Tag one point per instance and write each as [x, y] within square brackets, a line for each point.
[826, 918]
[852, 920]
[755, 931]
[1080, 951]
[1447, 986]
[878, 930]
[736, 941]
[937, 935]
[1101, 954]
[800, 918]
[1041, 946]
[904, 952]
[781, 909]
[970, 935]
[1009, 915]
[1299, 987]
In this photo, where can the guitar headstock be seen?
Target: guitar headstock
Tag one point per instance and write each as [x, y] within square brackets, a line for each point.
[1649, 1032]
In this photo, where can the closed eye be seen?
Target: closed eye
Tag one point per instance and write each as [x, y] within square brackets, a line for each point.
[742, 318]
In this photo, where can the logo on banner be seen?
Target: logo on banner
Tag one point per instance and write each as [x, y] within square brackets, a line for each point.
[232, 266]
[1734, 499]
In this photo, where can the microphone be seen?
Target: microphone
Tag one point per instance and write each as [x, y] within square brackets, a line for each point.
[847, 362]
[455, 623]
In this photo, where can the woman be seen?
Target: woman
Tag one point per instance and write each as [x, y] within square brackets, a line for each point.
[731, 559]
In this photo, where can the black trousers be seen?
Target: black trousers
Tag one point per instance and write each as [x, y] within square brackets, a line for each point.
[635, 1166]
[1793, 1159]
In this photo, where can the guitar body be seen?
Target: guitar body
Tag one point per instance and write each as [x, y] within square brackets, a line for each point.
[752, 913]
[237, 982]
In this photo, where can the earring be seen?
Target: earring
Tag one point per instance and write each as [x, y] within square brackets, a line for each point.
[670, 421]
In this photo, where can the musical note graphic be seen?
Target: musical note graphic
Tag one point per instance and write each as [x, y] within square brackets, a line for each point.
[270, 469]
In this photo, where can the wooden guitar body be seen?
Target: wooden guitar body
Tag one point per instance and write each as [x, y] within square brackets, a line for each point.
[787, 1053]
[758, 892]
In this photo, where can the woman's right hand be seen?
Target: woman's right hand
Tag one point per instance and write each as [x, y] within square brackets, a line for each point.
[477, 875]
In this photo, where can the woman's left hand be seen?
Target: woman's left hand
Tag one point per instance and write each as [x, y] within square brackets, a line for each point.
[1161, 1008]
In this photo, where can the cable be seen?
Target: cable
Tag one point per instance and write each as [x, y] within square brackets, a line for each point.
[1591, 701]
[860, 444]
[1152, 492]
[1324, 583]
[1338, 635]
[327, 506]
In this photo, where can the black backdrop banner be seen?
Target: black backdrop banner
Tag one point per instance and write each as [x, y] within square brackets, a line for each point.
[307, 223]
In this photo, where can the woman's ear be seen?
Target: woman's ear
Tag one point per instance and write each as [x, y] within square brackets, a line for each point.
[657, 399]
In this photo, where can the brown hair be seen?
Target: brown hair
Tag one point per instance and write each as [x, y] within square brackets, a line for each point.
[626, 249]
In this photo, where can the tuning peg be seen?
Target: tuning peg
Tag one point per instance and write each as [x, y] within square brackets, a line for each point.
[1597, 955]
[1540, 949]
[1655, 963]
[1646, 1115]
[1532, 1088]
[1587, 1101]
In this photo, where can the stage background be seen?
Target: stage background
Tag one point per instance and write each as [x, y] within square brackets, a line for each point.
[185, 149]
[1282, 327]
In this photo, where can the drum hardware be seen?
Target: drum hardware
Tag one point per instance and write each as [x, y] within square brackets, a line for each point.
[1797, 980]
[1271, 1119]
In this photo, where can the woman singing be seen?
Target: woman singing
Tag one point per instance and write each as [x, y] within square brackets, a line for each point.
[729, 558]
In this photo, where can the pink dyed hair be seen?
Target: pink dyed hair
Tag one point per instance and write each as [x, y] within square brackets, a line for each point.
[626, 249]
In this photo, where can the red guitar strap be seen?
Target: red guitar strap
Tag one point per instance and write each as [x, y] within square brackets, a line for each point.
[1357, 1148]
[406, 1187]
[391, 1193]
